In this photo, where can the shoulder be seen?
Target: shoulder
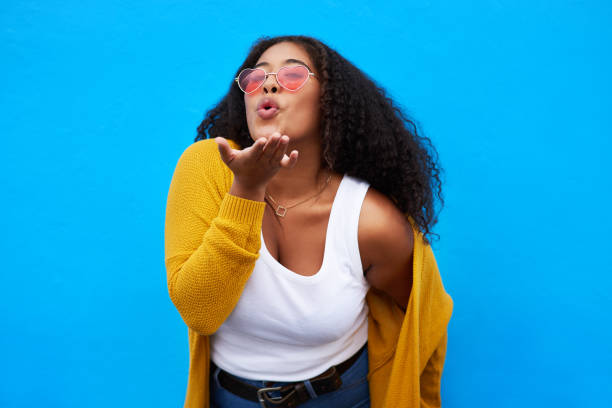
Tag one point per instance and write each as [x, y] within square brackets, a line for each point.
[203, 155]
[381, 219]
[200, 163]
[203, 149]
[385, 234]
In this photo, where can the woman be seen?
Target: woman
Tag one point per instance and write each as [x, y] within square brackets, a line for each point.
[292, 240]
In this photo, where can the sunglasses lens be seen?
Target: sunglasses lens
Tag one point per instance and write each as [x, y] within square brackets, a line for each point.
[251, 79]
[292, 78]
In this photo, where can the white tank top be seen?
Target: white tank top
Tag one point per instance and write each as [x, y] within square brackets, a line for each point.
[290, 327]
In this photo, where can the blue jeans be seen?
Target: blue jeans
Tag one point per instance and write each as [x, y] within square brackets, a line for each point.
[353, 393]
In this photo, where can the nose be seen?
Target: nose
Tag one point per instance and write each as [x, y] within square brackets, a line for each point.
[270, 84]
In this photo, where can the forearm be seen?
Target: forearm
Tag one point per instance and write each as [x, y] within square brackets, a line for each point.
[206, 284]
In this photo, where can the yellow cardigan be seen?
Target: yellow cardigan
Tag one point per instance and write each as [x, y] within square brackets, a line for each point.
[212, 240]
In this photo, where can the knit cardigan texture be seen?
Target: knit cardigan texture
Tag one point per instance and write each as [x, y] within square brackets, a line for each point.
[212, 240]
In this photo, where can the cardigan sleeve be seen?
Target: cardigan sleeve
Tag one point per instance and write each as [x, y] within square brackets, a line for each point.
[212, 238]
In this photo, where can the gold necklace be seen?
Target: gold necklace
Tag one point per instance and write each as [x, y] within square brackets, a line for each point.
[281, 210]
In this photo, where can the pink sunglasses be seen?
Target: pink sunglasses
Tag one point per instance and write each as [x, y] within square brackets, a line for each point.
[292, 78]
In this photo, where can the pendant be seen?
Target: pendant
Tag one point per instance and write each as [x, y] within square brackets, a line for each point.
[280, 211]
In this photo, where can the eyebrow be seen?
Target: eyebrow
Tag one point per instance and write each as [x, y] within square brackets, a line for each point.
[287, 61]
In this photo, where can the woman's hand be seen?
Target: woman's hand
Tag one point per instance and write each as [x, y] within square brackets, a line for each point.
[254, 166]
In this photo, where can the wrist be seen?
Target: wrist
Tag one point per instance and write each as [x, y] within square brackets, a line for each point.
[249, 193]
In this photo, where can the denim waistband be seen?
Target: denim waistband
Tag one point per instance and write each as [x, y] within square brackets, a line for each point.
[266, 383]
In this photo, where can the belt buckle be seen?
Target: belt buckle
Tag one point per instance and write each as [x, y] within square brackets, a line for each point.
[261, 395]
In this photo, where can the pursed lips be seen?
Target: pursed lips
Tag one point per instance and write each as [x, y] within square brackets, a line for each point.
[267, 103]
[267, 108]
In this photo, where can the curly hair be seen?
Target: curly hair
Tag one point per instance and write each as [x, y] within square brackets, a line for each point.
[363, 132]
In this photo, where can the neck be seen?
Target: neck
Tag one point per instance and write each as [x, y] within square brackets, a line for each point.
[303, 179]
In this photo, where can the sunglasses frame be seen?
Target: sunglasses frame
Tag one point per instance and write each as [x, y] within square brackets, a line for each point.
[310, 74]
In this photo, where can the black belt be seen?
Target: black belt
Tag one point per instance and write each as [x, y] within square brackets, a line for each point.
[292, 394]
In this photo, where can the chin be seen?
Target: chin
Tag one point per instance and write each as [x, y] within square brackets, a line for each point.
[266, 130]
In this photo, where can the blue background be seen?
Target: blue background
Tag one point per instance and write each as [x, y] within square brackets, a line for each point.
[99, 98]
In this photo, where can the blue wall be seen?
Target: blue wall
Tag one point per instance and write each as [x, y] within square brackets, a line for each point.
[99, 99]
